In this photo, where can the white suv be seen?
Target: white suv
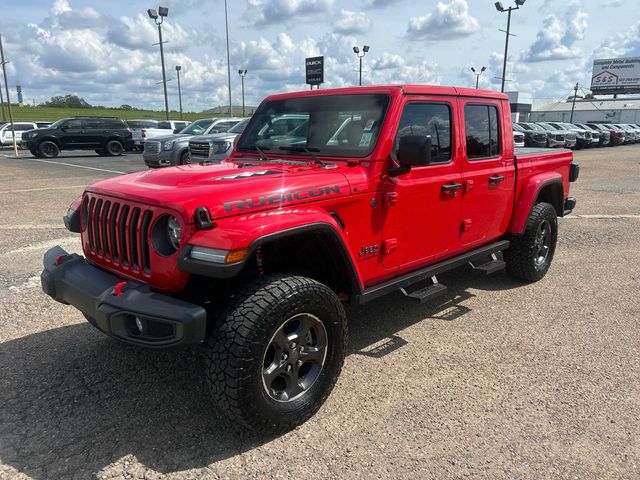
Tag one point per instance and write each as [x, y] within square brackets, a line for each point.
[6, 136]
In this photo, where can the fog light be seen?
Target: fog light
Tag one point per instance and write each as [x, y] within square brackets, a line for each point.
[139, 325]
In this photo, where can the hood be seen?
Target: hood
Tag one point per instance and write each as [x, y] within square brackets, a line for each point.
[217, 136]
[228, 188]
[174, 136]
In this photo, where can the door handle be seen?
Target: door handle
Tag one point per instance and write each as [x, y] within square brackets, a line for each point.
[496, 178]
[450, 187]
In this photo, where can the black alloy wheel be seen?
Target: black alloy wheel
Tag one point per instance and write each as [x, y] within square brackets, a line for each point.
[542, 243]
[294, 357]
[185, 158]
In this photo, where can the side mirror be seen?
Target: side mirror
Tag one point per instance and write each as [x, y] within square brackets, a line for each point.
[64, 128]
[413, 151]
[177, 130]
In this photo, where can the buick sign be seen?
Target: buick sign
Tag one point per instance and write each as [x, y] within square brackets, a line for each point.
[314, 68]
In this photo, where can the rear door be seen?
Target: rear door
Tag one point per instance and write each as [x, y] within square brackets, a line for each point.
[422, 208]
[488, 171]
[95, 131]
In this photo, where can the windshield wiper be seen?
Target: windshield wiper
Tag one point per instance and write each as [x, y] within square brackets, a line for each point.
[260, 150]
[311, 151]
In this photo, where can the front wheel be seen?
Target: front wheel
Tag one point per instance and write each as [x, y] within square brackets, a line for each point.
[185, 158]
[48, 149]
[529, 256]
[276, 351]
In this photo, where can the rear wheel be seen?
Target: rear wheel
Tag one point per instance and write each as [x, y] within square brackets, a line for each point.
[114, 148]
[276, 351]
[48, 149]
[529, 256]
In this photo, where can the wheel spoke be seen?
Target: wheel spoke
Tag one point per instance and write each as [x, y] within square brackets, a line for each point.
[273, 371]
[312, 354]
[293, 385]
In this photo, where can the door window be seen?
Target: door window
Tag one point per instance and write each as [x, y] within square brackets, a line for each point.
[481, 127]
[75, 124]
[431, 120]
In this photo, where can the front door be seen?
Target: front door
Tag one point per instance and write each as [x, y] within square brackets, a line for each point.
[488, 173]
[422, 208]
[72, 134]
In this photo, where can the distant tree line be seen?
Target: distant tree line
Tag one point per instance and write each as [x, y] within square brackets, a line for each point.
[74, 101]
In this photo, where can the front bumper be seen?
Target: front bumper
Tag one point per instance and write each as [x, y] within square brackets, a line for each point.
[166, 321]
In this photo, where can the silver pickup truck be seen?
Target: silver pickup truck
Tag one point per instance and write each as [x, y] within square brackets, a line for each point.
[173, 149]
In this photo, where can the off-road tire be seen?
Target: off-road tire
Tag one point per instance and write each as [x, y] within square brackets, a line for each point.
[185, 158]
[523, 255]
[114, 148]
[48, 149]
[236, 349]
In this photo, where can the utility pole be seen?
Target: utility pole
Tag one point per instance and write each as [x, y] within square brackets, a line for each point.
[573, 105]
[226, 22]
[4, 116]
[6, 86]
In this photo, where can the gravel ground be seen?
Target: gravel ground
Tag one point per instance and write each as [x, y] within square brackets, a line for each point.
[498, 380]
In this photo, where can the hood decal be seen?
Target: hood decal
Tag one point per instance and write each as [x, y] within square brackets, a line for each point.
[280, 198]
[255, 173]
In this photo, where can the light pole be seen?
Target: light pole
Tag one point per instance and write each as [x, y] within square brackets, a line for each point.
[226, 23]
[573, 105]
[242, 73]
[178, 68]
[158, 17]
[6, 86]
[500, 8]
[478, 74]
[360, 56]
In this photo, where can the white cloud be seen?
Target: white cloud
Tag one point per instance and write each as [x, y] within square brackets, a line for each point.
[557, 38]
[448, 21]
[350, 23]
[266, 12]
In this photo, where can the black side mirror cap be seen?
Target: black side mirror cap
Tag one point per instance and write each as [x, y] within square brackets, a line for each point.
[413, 151]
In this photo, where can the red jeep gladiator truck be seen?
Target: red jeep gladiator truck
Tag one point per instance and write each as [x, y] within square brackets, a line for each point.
[330, 196]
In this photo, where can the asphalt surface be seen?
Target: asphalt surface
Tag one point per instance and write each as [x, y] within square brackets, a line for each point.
[499, 380]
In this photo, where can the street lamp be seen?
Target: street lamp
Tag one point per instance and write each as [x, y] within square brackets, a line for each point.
[178, 68]
[242, 73]
[360, 55]
[158, 17]
[501, 8]
[478, 74]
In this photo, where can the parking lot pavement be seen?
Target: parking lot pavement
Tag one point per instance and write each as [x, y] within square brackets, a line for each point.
[498, 380]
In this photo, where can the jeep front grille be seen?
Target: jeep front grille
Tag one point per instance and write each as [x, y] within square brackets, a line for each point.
[199, 149]
[118, 232]
[152, 147]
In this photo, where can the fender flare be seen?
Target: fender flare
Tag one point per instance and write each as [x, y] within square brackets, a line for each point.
[328, 226]
[528, 198]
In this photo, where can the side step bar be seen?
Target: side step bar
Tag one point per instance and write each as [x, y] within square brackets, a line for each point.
[426, 293]
[492, 266]
[412, 278]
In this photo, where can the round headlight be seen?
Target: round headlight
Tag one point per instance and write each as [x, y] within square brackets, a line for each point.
[174, 232]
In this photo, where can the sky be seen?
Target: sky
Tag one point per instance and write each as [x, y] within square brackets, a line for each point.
[102, 50]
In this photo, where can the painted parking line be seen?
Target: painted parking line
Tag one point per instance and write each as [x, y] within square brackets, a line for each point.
[72, 165]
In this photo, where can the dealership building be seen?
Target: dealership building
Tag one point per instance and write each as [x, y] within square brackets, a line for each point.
[620, 110]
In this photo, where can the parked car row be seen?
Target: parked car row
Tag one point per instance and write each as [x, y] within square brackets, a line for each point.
[575, 135]
[111, 136]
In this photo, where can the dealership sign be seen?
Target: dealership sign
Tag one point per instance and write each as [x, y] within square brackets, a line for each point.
[616, 75]
[314, 68]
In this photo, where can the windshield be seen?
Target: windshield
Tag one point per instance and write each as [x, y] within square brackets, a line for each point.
[333, 125]
[58, 123]
[548, 127]
[198, 127]
[239, 127]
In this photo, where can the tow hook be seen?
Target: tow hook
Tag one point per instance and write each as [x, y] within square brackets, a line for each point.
[118, 290]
